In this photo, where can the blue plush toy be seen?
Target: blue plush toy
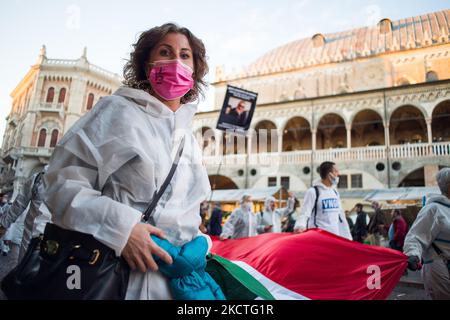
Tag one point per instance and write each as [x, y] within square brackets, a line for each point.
[187, 276]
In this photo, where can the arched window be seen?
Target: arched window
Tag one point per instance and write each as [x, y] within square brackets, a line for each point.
[297, 135]
[42, 138]
[54, 138]
[318, 40]
[90, 101]
[385, 26]
[62, 95]
[50, 95]
[432, 76]
[407, 125]
[331, 132]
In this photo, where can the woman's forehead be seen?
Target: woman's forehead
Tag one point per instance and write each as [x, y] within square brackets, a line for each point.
[176, 41]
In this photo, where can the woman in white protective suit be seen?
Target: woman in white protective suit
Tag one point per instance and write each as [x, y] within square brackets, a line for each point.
[428, 240]
[271, 217]
[243, 222]
[105, 170]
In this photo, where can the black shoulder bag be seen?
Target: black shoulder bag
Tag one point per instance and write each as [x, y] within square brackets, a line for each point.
[69, 265]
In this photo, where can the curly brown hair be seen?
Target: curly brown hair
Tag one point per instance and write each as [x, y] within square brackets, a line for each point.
[134, 71]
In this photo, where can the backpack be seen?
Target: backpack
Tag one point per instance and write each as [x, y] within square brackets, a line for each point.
[316, 188]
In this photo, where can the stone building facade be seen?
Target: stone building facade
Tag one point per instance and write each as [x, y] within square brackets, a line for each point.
[375, 100]
[51, 97]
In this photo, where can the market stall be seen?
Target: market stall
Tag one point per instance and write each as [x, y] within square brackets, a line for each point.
[408, 199]
[229, 198]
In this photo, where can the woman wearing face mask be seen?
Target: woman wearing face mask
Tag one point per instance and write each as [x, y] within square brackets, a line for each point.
[243, 222]
[322, 205]
[107, 167]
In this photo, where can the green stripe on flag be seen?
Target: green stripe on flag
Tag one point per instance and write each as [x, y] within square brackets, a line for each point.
[242, 276]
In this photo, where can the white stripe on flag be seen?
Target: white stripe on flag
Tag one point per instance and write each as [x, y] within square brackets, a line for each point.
[279, 292]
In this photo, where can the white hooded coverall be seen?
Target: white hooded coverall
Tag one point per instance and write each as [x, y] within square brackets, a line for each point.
[241, 223]
[432, 225]
[105, 170]
[273, 218]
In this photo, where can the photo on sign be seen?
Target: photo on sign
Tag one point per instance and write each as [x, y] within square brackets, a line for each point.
[237, 110]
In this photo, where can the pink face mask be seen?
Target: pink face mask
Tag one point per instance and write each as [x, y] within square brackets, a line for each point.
[171, 79]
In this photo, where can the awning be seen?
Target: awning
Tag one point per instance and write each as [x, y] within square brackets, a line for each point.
[233, 195]
[344, 194]
[396, 194]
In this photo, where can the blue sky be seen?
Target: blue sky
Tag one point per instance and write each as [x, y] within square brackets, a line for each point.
[235, 32]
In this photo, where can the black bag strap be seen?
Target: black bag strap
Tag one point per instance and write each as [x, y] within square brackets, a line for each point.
[442, 204]
[316, 188]
[337, 195]
[435, 247]
[157, 195]
[440, 253]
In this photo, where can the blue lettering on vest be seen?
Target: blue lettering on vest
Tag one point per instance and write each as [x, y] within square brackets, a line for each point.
[331, 203]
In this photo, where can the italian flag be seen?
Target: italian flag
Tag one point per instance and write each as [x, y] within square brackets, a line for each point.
[312, 265]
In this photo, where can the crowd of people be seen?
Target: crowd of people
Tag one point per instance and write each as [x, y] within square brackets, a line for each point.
[23, 219]
[322, 208]
[426, 242]
[269, 219]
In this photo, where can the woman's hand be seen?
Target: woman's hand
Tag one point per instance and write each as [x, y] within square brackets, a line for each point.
[140, 247]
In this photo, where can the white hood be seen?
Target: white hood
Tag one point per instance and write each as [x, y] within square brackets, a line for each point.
[157, 109]
[267, 203]
[438, 198]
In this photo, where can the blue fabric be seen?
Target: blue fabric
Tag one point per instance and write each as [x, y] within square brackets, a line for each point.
[391, 232]
[188, 279]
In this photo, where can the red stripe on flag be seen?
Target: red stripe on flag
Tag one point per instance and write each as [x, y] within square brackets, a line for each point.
[318, 264]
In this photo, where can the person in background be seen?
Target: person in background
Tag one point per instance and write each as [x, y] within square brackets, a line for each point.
[271, 217]
[429, 239]
[397, 231]
[351, 225]
[204, 209]
[4, 239]
[215, 222]
[4, 202]
[2, 229]
[243, 222]
[322, 205]
[28, 215]
[360, 228]
[292, 205]
[376, 224]
[13, 239]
